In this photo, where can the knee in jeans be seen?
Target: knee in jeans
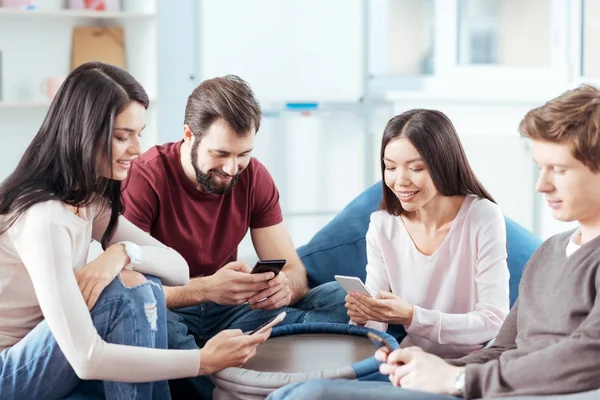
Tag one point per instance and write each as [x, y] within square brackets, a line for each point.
[132, 278]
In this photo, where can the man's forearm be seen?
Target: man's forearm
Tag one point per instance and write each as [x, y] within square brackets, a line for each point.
[189, 295]
[477, 357]
[298, 281]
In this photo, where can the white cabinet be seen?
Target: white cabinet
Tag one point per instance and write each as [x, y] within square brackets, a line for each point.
[36, 45]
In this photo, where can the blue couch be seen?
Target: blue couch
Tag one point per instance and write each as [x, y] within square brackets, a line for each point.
[340, 249]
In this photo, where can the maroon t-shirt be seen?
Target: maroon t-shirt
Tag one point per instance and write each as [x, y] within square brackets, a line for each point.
[204, 228]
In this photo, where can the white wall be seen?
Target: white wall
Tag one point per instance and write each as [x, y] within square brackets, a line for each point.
[318, 158]
[318, 164]
[289, 51]
[592, 37]
[524, 27]
[410, 35]
[177, 64]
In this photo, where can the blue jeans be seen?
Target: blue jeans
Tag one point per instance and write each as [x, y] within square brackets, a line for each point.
[191, 327]
[35, 367]
[350, 390]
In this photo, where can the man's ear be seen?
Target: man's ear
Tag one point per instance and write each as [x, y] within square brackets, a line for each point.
[188, 135]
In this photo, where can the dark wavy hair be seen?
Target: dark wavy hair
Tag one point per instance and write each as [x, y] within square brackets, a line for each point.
[64, 158]
[436, 140]
[228, 97]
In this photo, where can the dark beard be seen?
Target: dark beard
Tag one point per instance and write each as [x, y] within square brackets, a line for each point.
[206, 180]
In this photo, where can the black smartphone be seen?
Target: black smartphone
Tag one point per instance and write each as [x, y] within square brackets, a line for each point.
[379, 341]
[269, 324]
[268, 266]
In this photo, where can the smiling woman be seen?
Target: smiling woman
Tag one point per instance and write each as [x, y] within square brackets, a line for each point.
[63, 319]
[126, 145]
[436, 249]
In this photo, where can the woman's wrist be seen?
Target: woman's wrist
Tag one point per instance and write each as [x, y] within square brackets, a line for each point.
[117, 255]
[205, 363]
[409, 316]
[402, 316]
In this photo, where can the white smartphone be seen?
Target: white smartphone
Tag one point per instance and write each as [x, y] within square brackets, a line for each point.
[269, 324]
[353, 284]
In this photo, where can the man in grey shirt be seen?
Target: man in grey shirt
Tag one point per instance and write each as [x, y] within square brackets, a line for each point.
[549, 345]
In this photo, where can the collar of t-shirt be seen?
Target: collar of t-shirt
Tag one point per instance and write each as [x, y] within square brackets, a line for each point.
[572, 247]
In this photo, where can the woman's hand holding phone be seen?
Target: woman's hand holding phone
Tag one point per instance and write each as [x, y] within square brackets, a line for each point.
[355, 313]
[230, 348]
[384, 307]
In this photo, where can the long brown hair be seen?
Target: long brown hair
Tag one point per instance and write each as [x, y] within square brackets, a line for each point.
[61, 162]
[436, 140]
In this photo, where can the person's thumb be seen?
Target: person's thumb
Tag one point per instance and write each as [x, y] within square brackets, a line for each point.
[237, 266]
[400, 356]
[385, 295]
[229, 333]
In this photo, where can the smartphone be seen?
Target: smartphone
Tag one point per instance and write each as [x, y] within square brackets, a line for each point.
[268, 266]
[269, 324]
[353, 284]
[379, 341]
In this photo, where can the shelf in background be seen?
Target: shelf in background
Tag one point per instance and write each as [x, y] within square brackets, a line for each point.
[66, 13]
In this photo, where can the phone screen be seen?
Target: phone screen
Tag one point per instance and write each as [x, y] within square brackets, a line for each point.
[352, 284]
[274, 321]
[268, 266]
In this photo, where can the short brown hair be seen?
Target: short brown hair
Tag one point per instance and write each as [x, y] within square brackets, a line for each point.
[573, 117]
[436, 140]
[228, 97]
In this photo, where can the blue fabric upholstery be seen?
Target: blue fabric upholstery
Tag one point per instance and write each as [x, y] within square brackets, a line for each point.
[340, 249]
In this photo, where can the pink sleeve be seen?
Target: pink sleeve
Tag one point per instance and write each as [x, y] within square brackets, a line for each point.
[491, 280]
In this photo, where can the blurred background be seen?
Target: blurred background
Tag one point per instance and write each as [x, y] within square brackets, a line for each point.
[328, 73]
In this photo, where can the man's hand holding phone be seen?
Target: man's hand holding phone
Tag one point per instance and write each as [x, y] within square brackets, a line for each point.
[278, 293]
[234, 284]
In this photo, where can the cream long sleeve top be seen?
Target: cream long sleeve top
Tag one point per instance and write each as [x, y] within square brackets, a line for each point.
[460, 293]
[38, 257]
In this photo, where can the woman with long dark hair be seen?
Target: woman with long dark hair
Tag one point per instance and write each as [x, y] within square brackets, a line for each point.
[436, 249]
[63, 319]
